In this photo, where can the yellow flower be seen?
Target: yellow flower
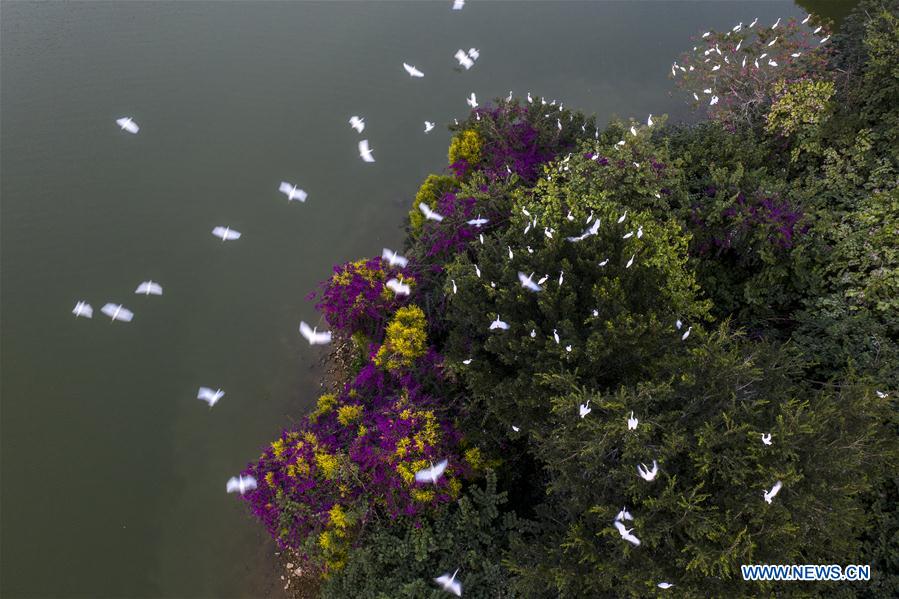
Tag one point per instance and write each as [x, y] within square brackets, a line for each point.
[473, 457]
[270, 478]
[465, 146]
[402, 447]
[328, 464]
[348, 414]
[278, 448]
[422, 495]
[362, 431]
[325, 404]
[338, 517]
[406, 339]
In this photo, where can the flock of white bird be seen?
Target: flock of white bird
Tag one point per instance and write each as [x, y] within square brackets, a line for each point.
[431, 475]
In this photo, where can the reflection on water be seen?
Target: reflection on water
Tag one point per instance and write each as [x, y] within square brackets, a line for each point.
[113, 472]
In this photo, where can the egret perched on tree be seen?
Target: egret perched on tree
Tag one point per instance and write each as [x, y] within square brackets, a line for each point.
[631, 261]
[449, 583]
[226, 233]
[664, 585]
[393, 258]
[292, 192]
[128, 124]
[626, 533]
[769, 495]
[240, 484]
[687, 334]
[429, 214]
[498, 324]
[413, 72]
[646, 473]
[365, 151]
[117, 312]
[357, 123]
[528, 283]
[584, 409]
[313, 336]
[432, 474]
[149, 288]
[766, 438]
[632, 423]
[209, 396]
[453, 281]
[467, 362]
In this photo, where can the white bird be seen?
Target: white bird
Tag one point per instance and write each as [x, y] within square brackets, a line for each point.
[716, 67]
[432, 474]
[713, 101]
[706, 34]
[447, 582]
[472, 100]
[543, 279]
[292, 192]
[478, 222]
[631, 261]
[639, 231]
[556, 336]
[622, 217]
[209, 396]
[429, 214]
[458, 4]
[817, 30]
[509, 97]
[568, 348]
[766, 438]
[772, 63]
[624, 515]
[805, 20]
[678, 324]
[128, 124]
[664, 585]
[515, 428]
[226, 233]
[241, 484]
[413, 72]
[477, 270]
[561, 277]
[633, 131]
[824, 39]
[632, 423]
[584, 409]
[796, 54]
[604, 262]
[756, 20]
[626, 533]
[313, 336]
[398, 287]
[357, 123]
[365, 151]
[393, 258]
[464, 59]
[467, 362]
[498, 324]
[528, 283]
[533, 333]
[428, 126]
[453, 281]
[475, 54]
[530, 99]
[649, 122]
[548, 232]
[646, 473]
[880, 394]
[687, 334]
[83, 309]
[149, 288]
[628, 235]
[776, 23]
[117, 312]
[771, 43]
[769, 495]
[510, 251]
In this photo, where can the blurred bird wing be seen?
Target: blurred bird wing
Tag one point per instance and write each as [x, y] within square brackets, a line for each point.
[233, 485]
[412, 70]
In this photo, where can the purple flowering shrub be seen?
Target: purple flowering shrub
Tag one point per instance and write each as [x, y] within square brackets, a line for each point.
[356, 299]
[734, 73]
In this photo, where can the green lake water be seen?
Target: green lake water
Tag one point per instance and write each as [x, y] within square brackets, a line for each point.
[113, 473]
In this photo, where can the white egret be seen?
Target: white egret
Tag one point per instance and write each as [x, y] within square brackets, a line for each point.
[226, 233]
[453, 281]
[117, 312]
[805, 20]
[515, 428]
[556, 336]
[648, 474]
[568, 348]
[639, 231]
[464, 59]
[628, 235]
[240, 484]
[467, 362]
[776, 23]
[477, 270]
[510, 251]
[622, 217]
[772, 63]
[880, 394]
[429, 214]
[766, 438]
[687, 334]
[756, 20]
[824, 39]
[398, 287]
[561, 277]
[665, 585]
[478, 222]
[631, 261]
[292, 192]
[649, 121]
[533, 333]
[432, 474]
[498, 324]
[678, 324]
[584, 409]
[365, 151]
[449, 583]
[817, 30]
[472, 100]
[357, 123]
[413, 72]
[626, 533]
[528, 283]
[713, 101]
[428, 126]
[769, 495]
[149, 288]
[624, 515]
[458, 4]
[548, 232]
[209, 396]
[313, 336]
[128, 124]
[393, 258]
[604, 262]
[475, 54]
[83, 309]
[632, 423]
[772, 42]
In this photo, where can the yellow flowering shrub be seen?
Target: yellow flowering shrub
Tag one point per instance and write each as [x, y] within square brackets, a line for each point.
[466, 146]
[328, 464]
[347, 415]
[325, 404]
[406, 339]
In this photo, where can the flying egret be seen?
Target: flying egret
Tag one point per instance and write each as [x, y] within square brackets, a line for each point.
[393, 258]
[149, 288]
[498, 324]
[240, 484]
[292, 192]
[687, 334]
[357, 123]
[429, 214]
[128, 124]
[449, 583]
[226, 233]
[648, 474]
[365, 151]
[432, 474]
[624, 515]
[766, 438]
[428, 126]
[313, 336]
[209, 396]
[117, 312]
[83, 309]
[474, 53]
[632, 423]
[528, 283]
[769, 495]
[472, 100]
[464, 59]
[584, 409]
[413, 72]
[478, 222]
[626, 533]
[398, 287]
[458, 4]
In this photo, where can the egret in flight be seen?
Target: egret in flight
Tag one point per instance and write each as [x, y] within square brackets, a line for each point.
[226, 233]
[117, 312]
[128, 124]
[365, 151]
[393, 258]
[458, 4]
[432, 474]
[357, 123]
[769, 495]
[528, 282]
[292, 192]
[313, 336]
[413, 72]
[464, 59]
[240, 484]
[149, 288]
[478, 222]
[428, 126]
[209, 396]
[472, 100]
[624, 515]
[499, 324]
[429, 214]
[626, 533]
[646, 473]
[398, 287]
[83, 309]
[449, 583]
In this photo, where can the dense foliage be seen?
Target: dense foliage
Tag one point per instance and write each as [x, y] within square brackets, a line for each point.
[718, 283]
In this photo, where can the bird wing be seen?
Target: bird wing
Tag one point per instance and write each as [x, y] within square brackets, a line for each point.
[125, 315]
[424, 476]
[776, 488]
[233, 485]
[285, 188]
[622, 529]
[306, 331]
[439, 468]
[231, 234]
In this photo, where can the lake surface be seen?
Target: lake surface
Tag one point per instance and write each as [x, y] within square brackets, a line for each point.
[113, 473]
